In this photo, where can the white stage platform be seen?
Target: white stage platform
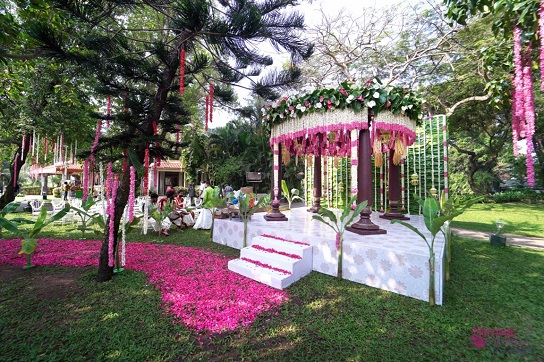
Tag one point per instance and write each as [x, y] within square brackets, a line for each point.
[397, 261]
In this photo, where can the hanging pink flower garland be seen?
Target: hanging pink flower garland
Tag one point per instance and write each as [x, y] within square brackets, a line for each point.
[96, 138]
[111, 258]
[517, 103]
[85, 179]
[131, 194]
[541, 36]
[529, 116]
[523, 118]
[109, 182]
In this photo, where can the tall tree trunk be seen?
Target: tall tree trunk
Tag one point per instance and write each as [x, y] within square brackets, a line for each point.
[9, 191]
[105, 272]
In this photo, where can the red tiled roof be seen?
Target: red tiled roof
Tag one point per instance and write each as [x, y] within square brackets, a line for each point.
[172, 165]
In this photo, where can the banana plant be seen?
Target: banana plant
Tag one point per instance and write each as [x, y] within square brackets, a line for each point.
[447, 207]
[434, 222]
[290, 195]
[248, 207]
[5, 223]
[339, 225]
[87, 218]
[29, 241]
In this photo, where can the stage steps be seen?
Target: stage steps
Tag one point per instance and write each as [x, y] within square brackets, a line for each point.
[274, 261]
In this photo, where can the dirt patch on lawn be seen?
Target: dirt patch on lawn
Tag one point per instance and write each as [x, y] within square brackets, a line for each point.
[43, 283]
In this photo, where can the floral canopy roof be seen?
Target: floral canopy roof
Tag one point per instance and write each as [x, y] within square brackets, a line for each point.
[297, 121]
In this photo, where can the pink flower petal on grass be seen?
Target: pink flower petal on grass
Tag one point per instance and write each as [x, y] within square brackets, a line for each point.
[196, 285]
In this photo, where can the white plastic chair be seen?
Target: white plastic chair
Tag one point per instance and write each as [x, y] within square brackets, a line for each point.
[36, 206]
[58, 205]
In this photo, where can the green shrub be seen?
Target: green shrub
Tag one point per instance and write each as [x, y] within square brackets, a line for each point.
[31, 190]
[526, 195]
[57, 191]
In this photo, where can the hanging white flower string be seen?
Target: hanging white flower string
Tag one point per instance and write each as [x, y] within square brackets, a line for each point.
[402, 183]
[410, 178]
[424, 190]
[38, 149]
[123, 239]
[438, 134]
[101, 192]
[146, 215]
[445, 153]
[381, 187]
[276, 172]
[354, 161]
[433, 189]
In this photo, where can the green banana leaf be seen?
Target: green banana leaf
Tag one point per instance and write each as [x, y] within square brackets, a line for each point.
[28, 245]
[9, 208]
[411, 227]
[8, 225]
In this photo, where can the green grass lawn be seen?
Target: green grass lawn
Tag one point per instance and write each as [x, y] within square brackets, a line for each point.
[521, 219]
[324, 320]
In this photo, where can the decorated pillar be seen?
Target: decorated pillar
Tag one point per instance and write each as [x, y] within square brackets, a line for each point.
[394, 191]
[317, 176]
[45, 190]
[354, 162]
[276, 214]
[364, 184]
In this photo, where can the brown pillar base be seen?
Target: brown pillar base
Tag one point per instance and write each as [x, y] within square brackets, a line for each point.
[315, 207]
[394, 215]
[394, 212]
[275, 214]
[365, 226]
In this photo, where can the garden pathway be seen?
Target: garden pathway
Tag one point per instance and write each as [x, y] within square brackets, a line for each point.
[516, 240]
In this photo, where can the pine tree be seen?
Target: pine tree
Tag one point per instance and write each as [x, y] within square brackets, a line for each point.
[133, 49]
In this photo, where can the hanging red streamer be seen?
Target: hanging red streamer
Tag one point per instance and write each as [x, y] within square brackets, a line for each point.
[178, 128]
[15, 170]
[156, 171]
[207, 111]
[146, 170]
[154, 124]
[211, 102]
[124, 160]
[108, 112]
[182, 72]
[61, 152]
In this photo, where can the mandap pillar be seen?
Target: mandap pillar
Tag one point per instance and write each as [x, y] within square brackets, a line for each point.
[276, 214]
[318, 191]
[364, 186]
[45, 190]
[394, 191]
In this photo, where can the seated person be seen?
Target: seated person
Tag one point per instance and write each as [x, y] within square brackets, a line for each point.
[152, 204]
[187, 218]
[169, 200]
